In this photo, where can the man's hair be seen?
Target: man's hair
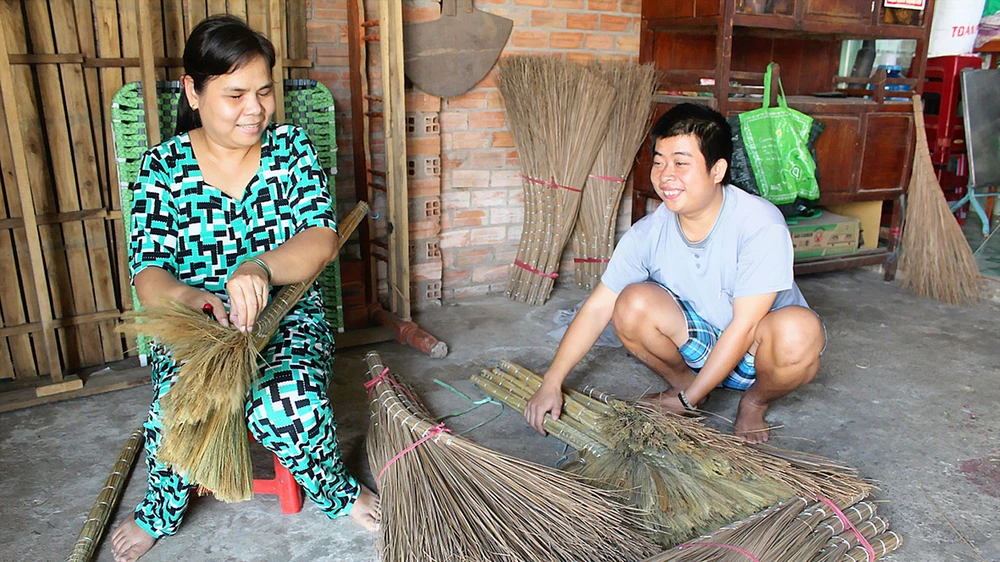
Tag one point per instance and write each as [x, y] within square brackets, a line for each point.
[715, 136]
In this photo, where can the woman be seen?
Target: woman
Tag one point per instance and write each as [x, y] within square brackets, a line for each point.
[225, 211]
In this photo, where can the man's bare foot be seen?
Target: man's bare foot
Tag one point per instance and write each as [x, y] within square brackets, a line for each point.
[669, 401]
[129, 541]
[366, 510]
[750, 423]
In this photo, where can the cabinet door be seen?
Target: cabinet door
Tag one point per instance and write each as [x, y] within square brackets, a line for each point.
[836, 157]
[886, 155]
[859, 11]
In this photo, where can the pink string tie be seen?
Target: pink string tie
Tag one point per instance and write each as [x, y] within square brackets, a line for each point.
[525, 266]
[847, 524]
[550, 183]
[437, 429]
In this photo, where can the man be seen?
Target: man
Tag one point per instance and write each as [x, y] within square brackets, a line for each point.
[701, 290]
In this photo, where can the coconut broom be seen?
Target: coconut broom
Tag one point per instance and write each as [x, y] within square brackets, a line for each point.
[444, 497]
[558, 113]
[690, 478]
[203, 415]
[935, 258]
[594, 234]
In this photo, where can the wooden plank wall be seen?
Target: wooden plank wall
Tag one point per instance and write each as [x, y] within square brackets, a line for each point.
[66, 59]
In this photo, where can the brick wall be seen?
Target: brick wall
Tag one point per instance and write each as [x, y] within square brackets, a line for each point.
[479, 187]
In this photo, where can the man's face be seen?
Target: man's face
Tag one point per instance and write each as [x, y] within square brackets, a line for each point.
[680, 177]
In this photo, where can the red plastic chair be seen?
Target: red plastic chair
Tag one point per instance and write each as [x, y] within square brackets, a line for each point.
[282, 485]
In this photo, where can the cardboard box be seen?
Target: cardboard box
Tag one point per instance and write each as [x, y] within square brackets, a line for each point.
[827, 235]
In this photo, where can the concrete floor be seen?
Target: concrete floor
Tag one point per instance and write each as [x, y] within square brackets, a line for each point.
[908, 394]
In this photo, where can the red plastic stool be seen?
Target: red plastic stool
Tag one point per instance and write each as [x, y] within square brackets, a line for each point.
[282, 485]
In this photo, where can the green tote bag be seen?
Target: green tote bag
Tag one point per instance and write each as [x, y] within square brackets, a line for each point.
[777, 143]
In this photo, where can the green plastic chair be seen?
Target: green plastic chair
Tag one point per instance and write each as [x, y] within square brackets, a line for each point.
[308, 104]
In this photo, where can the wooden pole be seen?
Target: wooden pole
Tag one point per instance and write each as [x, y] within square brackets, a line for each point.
[148, 71]
[28, 210]
[276, 28]
[394, 125]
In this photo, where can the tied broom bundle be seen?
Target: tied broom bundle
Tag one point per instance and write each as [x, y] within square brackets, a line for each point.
[935, 259]
[594, 235]
[689, 478]
[796, 530]
[444, 497]
[558, 114]
[205, 434]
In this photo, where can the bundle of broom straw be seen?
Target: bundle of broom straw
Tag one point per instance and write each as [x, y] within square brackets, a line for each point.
[797, 530]
[444, 497]
[935, 258]
[690, 478]
[594, 235]
[205, 431]
[558, 114]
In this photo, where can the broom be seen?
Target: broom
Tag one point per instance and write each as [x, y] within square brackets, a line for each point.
[688, 477]
[558, 113]
[203, 415]
[444, 497]
[935, 258]
[594, 235]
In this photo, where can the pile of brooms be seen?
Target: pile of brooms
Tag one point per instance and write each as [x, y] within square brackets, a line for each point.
[205, 430]
[559, 114]
[689, 480]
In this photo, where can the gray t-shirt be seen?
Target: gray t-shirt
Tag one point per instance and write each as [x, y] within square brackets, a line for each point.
[748, 252]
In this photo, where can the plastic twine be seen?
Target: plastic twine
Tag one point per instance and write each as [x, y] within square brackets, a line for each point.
[523, 265]
[437, 429]
[847, 524]
[550, 183]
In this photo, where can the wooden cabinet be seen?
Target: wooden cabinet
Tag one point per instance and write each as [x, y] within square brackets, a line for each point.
[715, 52]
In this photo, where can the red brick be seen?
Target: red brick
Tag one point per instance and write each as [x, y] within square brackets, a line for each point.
[530, 39]
[456, 276]
[495, 100]
[581, 58]
[488, 235]
[451, 120]
[487, 159]
[425, 271]
[423, 187]
[489, 198]
[468, 292]
[506, 216]
[473, 256]
[454, 239]
[506, 178]
[569, 4]
[427, 13]
[419, 101]
[471, 99]
[565, 40]
[632, 6]
[503, 140]
[603, 5]
[628, 43]
[536, 3]
[472, 139]
[487, 120]
[323, 31]
[453, 160]
[455, 200]
[463, 219]
[599, 42]
[581, 21]
[547, 18]
[470, 178]
[611, 22]
[425, 145]
[490, 274]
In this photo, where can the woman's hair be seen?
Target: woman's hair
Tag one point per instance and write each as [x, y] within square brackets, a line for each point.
[218, 45]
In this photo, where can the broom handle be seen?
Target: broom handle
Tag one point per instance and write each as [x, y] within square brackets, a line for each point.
[107, 500]
[289, 295]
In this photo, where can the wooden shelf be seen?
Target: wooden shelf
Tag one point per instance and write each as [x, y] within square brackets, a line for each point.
[863, 257]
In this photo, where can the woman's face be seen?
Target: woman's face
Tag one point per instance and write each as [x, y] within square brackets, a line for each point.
[235, 108]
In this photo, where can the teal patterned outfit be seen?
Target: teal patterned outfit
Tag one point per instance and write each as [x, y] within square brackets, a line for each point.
[198, 234]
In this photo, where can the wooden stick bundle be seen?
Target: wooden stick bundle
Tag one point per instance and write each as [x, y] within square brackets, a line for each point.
[203, 414]
[558, 114]
[594, 234]
[935, 258]
[444, 497]
[690, 478]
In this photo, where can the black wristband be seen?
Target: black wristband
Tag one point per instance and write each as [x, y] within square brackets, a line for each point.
[684, 402]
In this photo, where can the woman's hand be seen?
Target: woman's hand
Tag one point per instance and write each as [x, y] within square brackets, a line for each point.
[201, 300]
[248, 293]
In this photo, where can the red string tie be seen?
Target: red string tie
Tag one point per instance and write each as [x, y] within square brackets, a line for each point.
[370, 385]
[523, 265]
[437, 429]
[550, 183]
[589, 260]
[848, 525]
[714, 545]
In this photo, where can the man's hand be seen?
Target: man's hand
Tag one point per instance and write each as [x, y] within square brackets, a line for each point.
[247, 288]
[548, 400]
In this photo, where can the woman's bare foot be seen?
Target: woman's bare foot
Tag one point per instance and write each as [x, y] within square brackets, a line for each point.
[669, 401]
[366, 510]
[129, 541]
[750, 423]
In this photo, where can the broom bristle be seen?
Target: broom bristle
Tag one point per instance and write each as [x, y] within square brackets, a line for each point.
[935, 258]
